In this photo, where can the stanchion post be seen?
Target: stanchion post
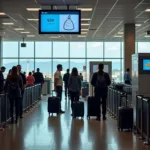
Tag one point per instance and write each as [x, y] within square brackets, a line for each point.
[147, 142]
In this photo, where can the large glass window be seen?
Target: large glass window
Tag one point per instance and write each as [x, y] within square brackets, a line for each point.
[28, 51]
[10, 49]
[43, 49]
[143, 47]
[60, 49]
[27, 65]
[95, 49]
[112, 50]
[116, 69]
[77, 49]
[45, 66]
[9, 63]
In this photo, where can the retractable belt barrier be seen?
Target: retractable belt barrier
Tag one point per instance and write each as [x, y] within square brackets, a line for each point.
[30, 98]
[142, 118]
[115, 100]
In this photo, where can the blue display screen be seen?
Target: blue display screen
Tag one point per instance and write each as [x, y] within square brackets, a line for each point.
[53, 21]
[146, 64]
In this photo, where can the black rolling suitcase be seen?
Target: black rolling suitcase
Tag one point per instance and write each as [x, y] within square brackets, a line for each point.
[53, 105]
[78, 109]
[125, 117]
[85, 92]
[92, 107]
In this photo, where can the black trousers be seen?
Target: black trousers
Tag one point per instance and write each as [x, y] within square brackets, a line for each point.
[74, 97]
[14, 102]
[128, 82]
[101, 96]
[59, 93]
[66, 90]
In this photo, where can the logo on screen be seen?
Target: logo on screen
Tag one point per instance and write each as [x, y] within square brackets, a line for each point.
[68, 24]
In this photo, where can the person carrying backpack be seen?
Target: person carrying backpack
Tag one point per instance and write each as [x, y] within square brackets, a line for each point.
[13, 86]
[101, 81]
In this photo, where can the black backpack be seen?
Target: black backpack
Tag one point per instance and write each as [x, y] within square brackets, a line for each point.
[101, 81]
[14, 88]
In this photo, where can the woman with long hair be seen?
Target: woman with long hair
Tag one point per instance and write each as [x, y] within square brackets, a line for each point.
[13, 87]
[74, 86]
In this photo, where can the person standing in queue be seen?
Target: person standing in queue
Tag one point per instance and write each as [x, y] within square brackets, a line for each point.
[101, 81]
[74, 85]
[13, 87]
[22, 92]
[127, 78]
[2, 79]
[65, 79]
[58, 84]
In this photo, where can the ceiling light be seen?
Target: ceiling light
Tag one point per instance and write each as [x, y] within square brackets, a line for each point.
[85, 24]
[33, 19]
[8, 23]
[83, 32]
[30, 35]
[55, 37]
[85, 29]
[147, 36]
[2, 13]
[19, 29]
[85, 9]
[118, 36]
[81, 36]
[25, 32]
[85, 19]
[137, 25]
[147, 10]
[33, 9]
[120, 32]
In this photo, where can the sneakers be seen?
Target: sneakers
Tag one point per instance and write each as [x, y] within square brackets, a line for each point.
[99, 118]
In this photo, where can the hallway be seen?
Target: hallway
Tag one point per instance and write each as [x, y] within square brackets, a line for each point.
[37, 131]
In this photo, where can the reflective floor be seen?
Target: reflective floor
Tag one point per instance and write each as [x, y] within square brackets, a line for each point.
[38, 131]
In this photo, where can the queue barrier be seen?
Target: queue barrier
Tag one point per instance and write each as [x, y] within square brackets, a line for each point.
[31, 96]
[142, 118]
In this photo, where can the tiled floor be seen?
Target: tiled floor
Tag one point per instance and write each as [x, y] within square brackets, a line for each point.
[38, 131]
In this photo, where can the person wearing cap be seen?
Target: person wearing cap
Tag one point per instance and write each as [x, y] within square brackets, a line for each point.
[2, 79]
[101, 81]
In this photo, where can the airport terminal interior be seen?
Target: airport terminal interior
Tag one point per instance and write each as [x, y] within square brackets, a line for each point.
[84, 34]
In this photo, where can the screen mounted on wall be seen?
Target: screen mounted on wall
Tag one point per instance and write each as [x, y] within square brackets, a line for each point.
[146, 64]
[59, 21]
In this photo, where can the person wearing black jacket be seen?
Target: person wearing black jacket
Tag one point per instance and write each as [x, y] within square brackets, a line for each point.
[22, 92]
[101, 81]
[38, 76]
[2, 70]
[66, 79]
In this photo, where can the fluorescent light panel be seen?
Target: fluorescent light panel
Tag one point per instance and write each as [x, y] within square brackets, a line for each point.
[85, 19]
[85, 24]
[137, 25]
[83, 32]
[84, 29]
[2, 13]
[7, 23]
[33, 9]
[30, 35]
[81, 36]
[33, 19]
[118, 36]
[19, 29]
[147, 36]
[26, 32]
[147, 10]
[85, 9]
[121, 33]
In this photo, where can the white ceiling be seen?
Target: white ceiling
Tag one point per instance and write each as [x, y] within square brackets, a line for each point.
[107, 18]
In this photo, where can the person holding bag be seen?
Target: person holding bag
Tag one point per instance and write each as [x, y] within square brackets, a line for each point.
[13, 86]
